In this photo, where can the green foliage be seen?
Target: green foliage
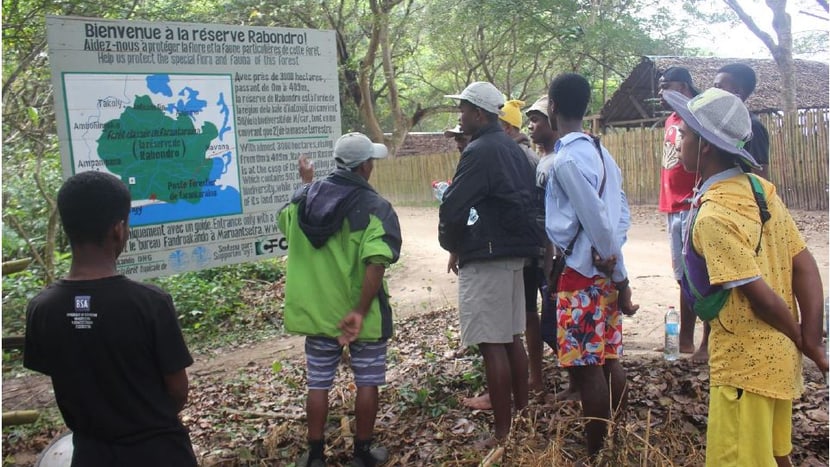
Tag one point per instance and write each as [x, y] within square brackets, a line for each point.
[434, 399]
[217, 300]
[21, 287]
[219, 303]
[25, 213]
[811, 43]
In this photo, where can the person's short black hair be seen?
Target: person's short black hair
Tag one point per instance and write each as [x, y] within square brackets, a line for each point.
[570, 93]
[743, 75]
[90, 203]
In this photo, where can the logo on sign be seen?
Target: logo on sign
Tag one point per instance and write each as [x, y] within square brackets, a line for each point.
[268, 246]
[82, 302]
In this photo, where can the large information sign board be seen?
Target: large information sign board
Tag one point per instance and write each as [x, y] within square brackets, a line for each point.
[203, 122]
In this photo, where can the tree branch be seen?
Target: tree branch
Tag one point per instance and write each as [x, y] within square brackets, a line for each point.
[750, 23]
[32, 248]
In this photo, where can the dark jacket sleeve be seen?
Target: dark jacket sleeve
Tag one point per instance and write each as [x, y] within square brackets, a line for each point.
[469, 186]
[391, 235]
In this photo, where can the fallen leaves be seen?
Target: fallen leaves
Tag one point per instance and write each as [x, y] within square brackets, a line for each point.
[259, 414]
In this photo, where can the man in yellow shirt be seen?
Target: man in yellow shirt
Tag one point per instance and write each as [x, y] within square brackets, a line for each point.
[743, 247]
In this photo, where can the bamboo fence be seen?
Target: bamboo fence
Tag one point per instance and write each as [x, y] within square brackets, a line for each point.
[798, 163]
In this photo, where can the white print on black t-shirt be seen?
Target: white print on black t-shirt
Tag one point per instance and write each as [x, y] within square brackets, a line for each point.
[82, 318]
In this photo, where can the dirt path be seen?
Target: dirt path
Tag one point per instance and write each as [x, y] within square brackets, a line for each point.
[419, 283]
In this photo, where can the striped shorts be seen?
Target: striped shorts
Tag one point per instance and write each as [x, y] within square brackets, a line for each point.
[323, 355]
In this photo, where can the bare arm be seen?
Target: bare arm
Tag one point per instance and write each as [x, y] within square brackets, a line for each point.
[177, 386]
[809, 294]
[771, 309]
[452, 264]
[353, 322]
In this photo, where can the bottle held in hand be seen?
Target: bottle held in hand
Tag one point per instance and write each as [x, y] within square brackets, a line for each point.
[438, 189]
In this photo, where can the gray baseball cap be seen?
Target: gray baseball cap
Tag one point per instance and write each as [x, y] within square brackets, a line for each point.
[483, 95]
[353, 149]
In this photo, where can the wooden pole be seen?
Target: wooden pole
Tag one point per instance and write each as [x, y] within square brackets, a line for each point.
[20, 417]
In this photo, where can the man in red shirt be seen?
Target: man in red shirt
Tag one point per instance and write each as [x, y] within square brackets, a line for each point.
[675, 195]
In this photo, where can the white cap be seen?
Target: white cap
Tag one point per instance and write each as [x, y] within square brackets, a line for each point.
[484, 95]
[353, 149]
[541, 106]
[452, 132]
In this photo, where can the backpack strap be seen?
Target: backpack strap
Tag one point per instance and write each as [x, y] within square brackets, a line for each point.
[602, 161]
[601, 190]
[763, 208]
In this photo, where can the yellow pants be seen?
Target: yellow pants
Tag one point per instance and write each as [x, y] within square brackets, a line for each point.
[746, 429]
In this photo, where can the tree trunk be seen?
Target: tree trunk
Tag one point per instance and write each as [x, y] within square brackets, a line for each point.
[783, 54]
[782, 51]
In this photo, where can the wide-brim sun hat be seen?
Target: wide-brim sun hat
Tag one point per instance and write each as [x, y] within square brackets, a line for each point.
[717, 116]
[483, 95]
[453, 132]
[353, 149]
[541, 106]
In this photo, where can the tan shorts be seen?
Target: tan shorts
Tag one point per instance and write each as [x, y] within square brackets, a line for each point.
[491, 301]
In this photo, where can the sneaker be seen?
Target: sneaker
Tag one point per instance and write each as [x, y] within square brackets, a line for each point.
[303, 462]
[380, 454]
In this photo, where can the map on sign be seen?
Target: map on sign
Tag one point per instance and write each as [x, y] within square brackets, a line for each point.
[168, 137]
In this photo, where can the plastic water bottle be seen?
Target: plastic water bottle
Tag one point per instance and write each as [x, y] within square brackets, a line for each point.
[671, 347]
[473, 217]
[438, 189]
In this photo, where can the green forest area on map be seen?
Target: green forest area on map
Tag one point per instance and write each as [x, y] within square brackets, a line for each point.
[162, 158]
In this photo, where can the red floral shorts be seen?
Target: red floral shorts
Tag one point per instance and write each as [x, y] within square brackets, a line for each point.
[589, 325]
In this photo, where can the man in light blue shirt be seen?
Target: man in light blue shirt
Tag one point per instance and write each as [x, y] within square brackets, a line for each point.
[587, 217]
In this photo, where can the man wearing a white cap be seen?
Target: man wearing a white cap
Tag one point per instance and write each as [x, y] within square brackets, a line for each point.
[747, 270]
[494, 176]
[461, 140]
[341, 237]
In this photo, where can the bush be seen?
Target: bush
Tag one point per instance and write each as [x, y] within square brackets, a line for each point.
[224, 298]
[209, 302]
[19, 288]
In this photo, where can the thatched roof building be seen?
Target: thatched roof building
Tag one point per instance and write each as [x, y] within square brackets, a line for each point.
[635, 102]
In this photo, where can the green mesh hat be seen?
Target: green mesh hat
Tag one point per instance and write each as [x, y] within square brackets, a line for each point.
[717, 116]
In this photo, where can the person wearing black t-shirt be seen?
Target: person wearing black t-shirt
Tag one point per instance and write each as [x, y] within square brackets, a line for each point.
[740, 80]
[112, 346]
